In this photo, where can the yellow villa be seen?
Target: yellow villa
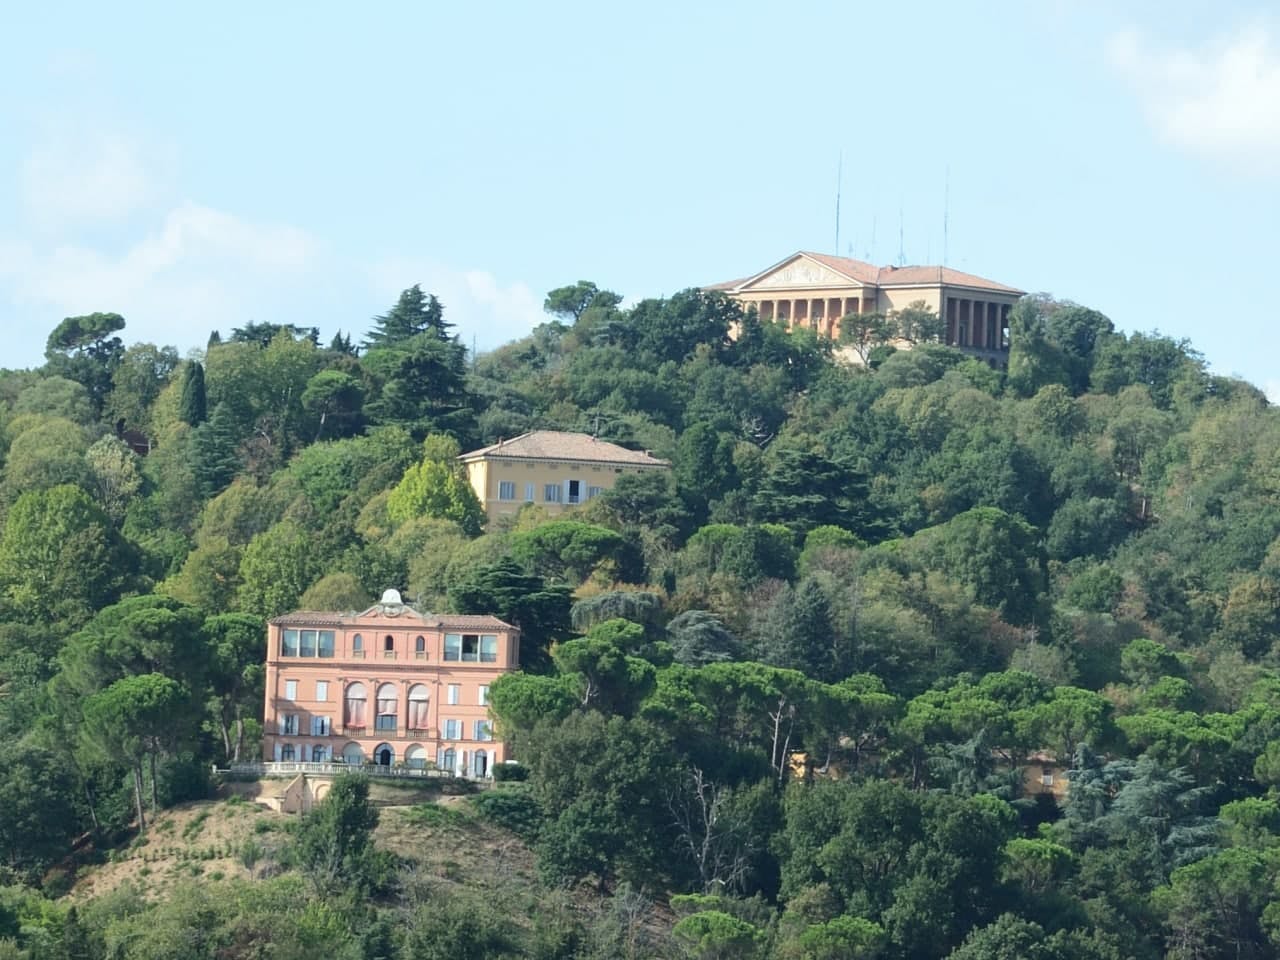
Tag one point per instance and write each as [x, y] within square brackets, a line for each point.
[815, 290]
[554, 469]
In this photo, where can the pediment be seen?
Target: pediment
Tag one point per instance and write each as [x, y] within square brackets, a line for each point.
[800, 271]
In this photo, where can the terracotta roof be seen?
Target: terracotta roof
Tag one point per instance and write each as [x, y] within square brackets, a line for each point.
[557, 445]
[866, 273]
[438, 621]
[916, 276]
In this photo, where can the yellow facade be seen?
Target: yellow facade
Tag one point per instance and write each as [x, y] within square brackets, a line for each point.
[555, 471]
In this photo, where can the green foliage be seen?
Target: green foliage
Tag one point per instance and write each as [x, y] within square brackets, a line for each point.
[334, 842]
[437, 488]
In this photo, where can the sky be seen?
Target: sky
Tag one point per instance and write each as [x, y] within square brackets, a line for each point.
[196, 167]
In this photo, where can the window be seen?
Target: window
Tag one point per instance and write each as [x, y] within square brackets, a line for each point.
[389, 645]
[320, 726]
[385, 718]
[420, 648]
[319, 753]
[470, 648]
[506, 490]
[307, 643]
[416, 756]
[528, 493]
[355, 706]
[291, 689]
[286, 752]
[484, 695]
[575, 491]
[552, 493]
[1046, 777]
[322, 690]
[453, 694]
[419, 701]
[481, 731]
[593, 492]
[448, 760]
[480, 764]
[289, 724]
[453, 729]
[357, 645]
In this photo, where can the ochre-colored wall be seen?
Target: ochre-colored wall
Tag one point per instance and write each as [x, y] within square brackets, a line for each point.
[487, 475]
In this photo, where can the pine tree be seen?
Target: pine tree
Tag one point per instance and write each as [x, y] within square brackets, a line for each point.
[414, 313]
[213, 449]
[193, 404]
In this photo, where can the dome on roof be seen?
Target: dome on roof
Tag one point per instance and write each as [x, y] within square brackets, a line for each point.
[391, 597]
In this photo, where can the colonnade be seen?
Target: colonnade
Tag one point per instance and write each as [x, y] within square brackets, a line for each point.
[815, 313]
[980, 324]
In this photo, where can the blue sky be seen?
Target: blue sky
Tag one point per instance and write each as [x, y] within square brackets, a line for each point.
[197, 167]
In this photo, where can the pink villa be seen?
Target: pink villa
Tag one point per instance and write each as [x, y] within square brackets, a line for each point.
[388, 686]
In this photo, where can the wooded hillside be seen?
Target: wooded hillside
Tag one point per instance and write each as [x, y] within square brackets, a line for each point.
[791, 687]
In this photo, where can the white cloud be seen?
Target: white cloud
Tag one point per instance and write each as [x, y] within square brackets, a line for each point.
[1222, 100]
[473, 299]
[88, 177]
[197, 270]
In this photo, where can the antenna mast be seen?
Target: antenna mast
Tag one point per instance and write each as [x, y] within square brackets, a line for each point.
[839, 179]
[946, 212]
[902, 252]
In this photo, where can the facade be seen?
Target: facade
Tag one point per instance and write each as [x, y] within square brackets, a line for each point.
[815, 290]
[386, 686]
[555, 470]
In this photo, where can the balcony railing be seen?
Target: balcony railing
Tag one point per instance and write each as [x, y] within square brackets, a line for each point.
[329, 768]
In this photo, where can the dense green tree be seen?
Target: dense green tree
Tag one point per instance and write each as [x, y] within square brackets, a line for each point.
[436, 487]
[193, 404]
[334, 842]
[60, 558]
[84, 349]
[539, 609]
[131, 720]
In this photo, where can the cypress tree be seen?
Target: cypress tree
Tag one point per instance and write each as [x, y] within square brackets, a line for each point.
[192, 408]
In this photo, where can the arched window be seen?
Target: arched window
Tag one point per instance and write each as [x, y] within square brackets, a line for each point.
[386, 715]
[357, 644]
[416, 756]
[389, 644]
[383, 755]
[318, 753]
[419, 702]
[286, 752]
[420, 648]
[480, 764]
[352, 753]
[448, 760]
[355, 706]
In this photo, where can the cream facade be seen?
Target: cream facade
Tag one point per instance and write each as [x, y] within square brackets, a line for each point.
[553, 469]
[387, 686]
[815, 291]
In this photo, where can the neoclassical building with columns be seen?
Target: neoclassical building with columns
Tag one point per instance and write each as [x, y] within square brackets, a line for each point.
[815, 290]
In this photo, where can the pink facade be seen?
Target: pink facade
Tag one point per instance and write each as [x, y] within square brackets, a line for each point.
[387, 686]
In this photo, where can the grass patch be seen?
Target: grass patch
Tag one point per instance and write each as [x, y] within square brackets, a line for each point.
[194, 828]
[434, 815]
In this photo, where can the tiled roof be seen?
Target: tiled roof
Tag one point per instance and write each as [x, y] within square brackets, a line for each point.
[438, 621]
[867, 273]
[558, 445]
